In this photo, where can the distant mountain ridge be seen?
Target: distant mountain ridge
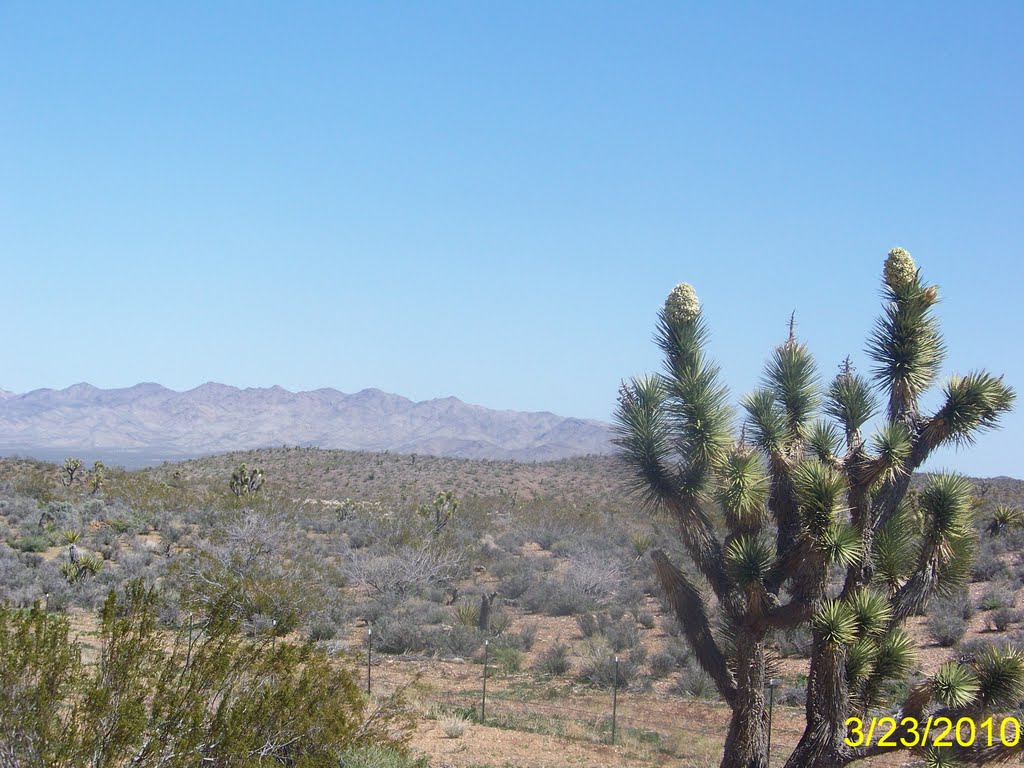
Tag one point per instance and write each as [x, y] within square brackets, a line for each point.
[148, 422]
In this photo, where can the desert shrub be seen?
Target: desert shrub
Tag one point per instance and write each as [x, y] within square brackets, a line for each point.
[1003, 617]
[621, 632]
[461, 641]
[454, 726]
[646, 619]
[515, 584]
[60, 516]
[216, 699]
[256, 563]
[554, 660]
[957, 604]
[792, 695]
[996, 596]
[946, 629]
[399, 635]
[549, 532]
[31, 543]
[969, 650]
[407, 572]
[670, 626]
[694, 681]
[489, 548]
[19, 582]
[987, 563]
[509, 660]
[120, 525]
[556, 599]
[379, 757]
[622, 635]
[322, 629]
[594, 575]
[680, 650]
[598, 665]
[661, 664]
[587, 622]
[527, 635]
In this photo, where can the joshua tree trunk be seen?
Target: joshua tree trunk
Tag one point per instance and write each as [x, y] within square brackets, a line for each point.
[823, 744]
[746, 746]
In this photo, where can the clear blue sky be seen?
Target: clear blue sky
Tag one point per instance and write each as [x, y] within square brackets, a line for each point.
[492, 201]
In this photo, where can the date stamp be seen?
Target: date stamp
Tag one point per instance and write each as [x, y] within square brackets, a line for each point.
[909, 732]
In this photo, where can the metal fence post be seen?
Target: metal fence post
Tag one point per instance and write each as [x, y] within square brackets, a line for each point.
[369, 656]
[483, 703]
[615, 698]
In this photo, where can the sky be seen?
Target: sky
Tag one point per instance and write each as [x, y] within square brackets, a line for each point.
[492, 200]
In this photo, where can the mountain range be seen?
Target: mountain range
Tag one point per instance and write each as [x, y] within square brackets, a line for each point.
[148, 423]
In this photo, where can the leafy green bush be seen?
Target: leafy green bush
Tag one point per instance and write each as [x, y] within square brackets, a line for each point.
[209, 698]
[508, 659]
[31, 543]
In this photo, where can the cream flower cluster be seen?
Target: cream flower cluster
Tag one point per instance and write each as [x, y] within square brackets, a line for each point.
[682, 305]
[900, 269]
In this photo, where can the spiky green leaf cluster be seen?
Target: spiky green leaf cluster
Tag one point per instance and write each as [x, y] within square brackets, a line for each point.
[871, 611]
[742, 489]
[946, 504]
[850, 401]
[955, 685]
[906, 344]
[1000, 673]
[892, 446]
[819, 489]
[894, 554]
[768, 427]
[841, 545]
[791, 376]
[749, 559]
[824, 440]
[973, 403]
[835, 623]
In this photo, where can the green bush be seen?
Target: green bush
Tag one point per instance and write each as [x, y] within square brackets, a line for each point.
[150, 700]
[508, 659]
[31, 543]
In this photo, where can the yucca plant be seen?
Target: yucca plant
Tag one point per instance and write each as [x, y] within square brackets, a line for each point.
[465, 613]
[766, 512]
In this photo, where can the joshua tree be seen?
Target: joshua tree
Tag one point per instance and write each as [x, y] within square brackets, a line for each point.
[768, 515]
[97, 477]
[71, 469]
[245, 482]
[445, 505]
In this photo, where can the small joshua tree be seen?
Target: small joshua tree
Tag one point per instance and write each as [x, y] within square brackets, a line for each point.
[71, 469]
[97, 477]
[767, 515]
[245, 482]
[444, 505]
